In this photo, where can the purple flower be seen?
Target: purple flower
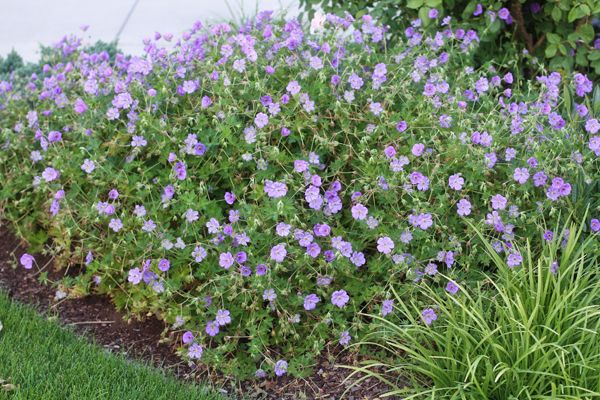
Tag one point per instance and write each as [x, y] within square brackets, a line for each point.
[387, 307]
[595, 225]
[452, 287]
[135, 276]
[456, 182]
[80, 107]
[514, 259]
[115, 224]
[345, 338]
[278, 253]
[282, 229]
[212, 328]
[594, 145]
[88, 166]
[548, 235]
[180, 170]
[27, 261]
[226, 260]
[269, 295]
[50, 174]
[539, 179]
[310, 302]
[188, 87]
[281, 367]
[498, 202]
[355, 81]
[463, 207]
[504, 14]
[428, 316]
[195, 351]
[261, 270]
[188, 337]
[389, 151]
[206, 102]
[229, 198]
[521, 175]
[358, 259]
[418, 149]
[275, 189]
[322, 230]
[339, 298]
[420, 180]
[164, 265]
[138, 141]
[261, 120]
[122, 100]
[359, 212]
[422, 221]
[223, 317]
[592, 126]
[54, 136]
[385, 245]
[401, 126]
[293, 88]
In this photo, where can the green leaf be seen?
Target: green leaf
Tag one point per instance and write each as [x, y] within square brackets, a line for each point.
[424, 15]
[563, 49]
[553, 37]
[433, 3]
[556, 14]
[551, 50]
[414, 4]
[586, 32]
[578, 12]
[594, 55]
[580, 57]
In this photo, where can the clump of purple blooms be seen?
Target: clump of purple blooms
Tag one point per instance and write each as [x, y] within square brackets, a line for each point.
[259, 185]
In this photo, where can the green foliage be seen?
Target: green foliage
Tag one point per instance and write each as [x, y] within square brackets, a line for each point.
[42, 361]
[560, 33]
[527, 332]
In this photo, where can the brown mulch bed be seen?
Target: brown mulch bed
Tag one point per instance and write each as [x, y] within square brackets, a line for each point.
[95, 317]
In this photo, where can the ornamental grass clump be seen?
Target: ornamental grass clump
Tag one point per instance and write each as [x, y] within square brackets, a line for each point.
[526, 332]
[257, 186]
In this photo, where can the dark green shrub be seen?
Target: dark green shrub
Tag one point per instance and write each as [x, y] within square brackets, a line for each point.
[559, 32]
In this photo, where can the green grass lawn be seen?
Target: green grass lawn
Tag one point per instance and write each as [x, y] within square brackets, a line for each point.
[44, 361]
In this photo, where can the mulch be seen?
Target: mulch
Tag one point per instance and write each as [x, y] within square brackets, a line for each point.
[95, 318]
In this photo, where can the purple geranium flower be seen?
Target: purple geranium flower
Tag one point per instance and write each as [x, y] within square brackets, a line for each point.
[339, 298]
[281, 367]
[212, 328]
[385, 245]
[27, 261]
[452, 287]
[278, 253]
[275, 189]
[310, 301]
[428, 316]
[195, 351]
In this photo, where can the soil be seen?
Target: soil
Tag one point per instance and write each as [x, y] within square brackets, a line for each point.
[95, 318]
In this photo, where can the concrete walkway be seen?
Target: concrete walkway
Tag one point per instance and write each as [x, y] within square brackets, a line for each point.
[25, 24]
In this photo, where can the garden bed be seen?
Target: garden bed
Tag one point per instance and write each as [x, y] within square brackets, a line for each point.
[95, 317]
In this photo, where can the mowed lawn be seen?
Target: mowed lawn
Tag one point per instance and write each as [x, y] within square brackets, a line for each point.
[41, 360]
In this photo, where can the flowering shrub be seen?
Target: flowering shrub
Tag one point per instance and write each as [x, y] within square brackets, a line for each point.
[258, 186]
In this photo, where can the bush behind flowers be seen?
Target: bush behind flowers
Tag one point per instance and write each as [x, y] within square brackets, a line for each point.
[258, 186]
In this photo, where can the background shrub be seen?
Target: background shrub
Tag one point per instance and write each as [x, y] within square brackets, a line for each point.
[561, 32]
[531, 331]
[258, 186]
